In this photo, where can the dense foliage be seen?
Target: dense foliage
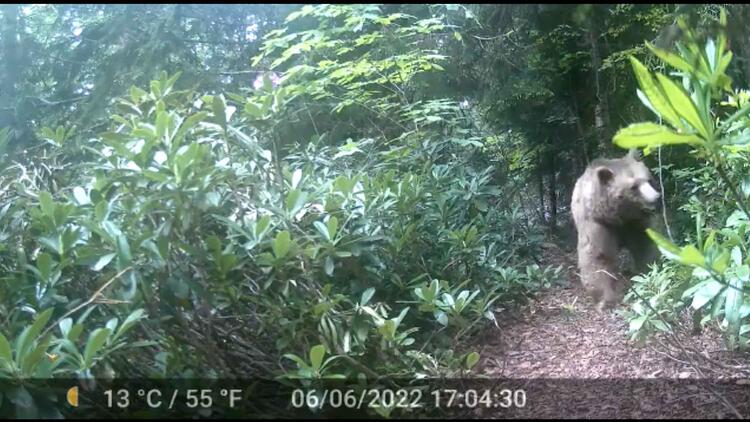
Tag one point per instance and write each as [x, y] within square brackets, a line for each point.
[719, 135]
[339, 191]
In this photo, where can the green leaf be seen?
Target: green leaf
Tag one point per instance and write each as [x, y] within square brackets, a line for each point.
[682, 103]
[707, 292]
[6, 353]
[721, 263]
[261, 227]
[44, 264]
[401, 316]
[711, 53]
[738, 140]
[81, 196]
[663, 243]
[112, 323]
[332, 225]
[639, 135]
[316, 357]
[101, 211]
[219, 109]
[296, 178]
[388, 329]
[145, 131]
[103, 261]
[637, 323]
[295, 200]
[95, 342]
[53, 244]
[214, 244]
[29, 334]
[300, 362]
[170, 82]
[737, 219]
[442, 318]
[366, 296]
[255, 110]
[188, 124]
[282, 244]
[645, 101]
[75, 331]
[688, 255]
[735, 296]
[65, 326]
[131, 281]
[322, 229]
[69, 346]
[137, 93]
[134, 317]
[736, 255]
[162, 124]
[33, 359]
[670, 58]
[691, 256]
[654, 94]
[329, 266]
[155, 90]
[227, 262]
[123, 251]
[234, 226]
[46, 204]
[472, 359]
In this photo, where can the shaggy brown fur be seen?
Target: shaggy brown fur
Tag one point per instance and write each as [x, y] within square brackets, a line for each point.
[612, 205]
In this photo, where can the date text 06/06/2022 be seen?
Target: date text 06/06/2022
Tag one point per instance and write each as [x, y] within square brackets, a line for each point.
[411, 398]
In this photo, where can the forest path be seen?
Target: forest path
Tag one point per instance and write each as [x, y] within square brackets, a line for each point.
[561, 336]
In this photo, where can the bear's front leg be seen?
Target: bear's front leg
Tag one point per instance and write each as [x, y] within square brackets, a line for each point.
[597, 261]
[641, 247]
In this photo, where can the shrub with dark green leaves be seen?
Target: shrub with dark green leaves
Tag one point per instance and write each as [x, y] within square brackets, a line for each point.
[231, 242]
[719, 135]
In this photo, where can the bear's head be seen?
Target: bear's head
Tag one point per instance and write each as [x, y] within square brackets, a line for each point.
[629, 187]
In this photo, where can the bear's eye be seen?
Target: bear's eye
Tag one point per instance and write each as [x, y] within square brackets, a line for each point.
[634, 187]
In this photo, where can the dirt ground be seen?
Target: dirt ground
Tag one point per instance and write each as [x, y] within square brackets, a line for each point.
[591, 368]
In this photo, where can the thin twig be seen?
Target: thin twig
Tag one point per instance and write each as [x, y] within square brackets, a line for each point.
[307, 108]
[367, 370]
[89, 301]
[732, 188]
[242, 72]
[663, 200]
[59, 102]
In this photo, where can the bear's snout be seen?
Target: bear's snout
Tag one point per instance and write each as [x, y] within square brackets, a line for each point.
[649, 194]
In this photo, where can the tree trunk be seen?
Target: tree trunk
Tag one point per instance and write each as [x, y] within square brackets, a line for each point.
[11, 69]
[584, 158]
[601, 112]
[739, 40]
[540, 181]
[552, 189]
[16, 111]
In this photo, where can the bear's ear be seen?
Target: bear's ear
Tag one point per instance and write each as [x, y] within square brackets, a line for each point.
[604, 174]
[634, 154]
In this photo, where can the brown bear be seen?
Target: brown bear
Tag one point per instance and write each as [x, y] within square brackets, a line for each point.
[612, 205]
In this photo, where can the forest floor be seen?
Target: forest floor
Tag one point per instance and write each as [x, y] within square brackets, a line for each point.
[560, 338]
